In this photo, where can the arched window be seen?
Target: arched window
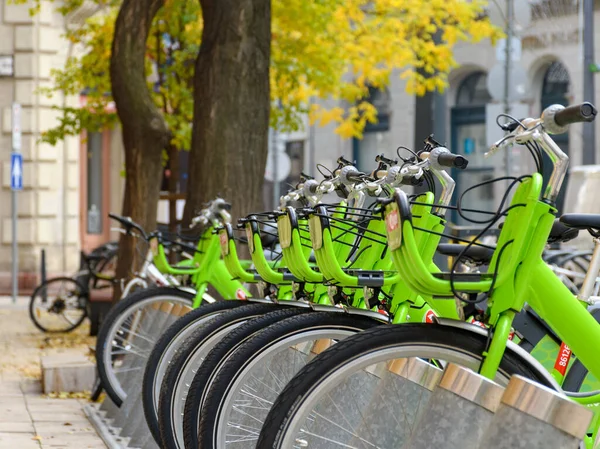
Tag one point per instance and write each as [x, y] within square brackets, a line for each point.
[473, 90]
[556, 85]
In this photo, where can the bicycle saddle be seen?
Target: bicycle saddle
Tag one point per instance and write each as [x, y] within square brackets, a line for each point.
[581, 221]
[475, 254]
[562, 231]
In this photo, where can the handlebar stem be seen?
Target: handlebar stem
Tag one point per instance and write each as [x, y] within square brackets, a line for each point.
[561, 165]
[448, 184]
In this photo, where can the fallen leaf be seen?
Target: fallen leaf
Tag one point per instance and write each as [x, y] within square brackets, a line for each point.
[37, 438]
[68, 424]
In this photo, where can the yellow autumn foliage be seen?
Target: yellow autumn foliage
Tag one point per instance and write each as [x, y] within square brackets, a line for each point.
[325, 55]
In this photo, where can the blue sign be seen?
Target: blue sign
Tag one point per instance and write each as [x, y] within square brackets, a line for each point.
[469, 146]
[16, 171]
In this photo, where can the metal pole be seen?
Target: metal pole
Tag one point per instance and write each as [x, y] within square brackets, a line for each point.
[509, 36]
[311, 149]
[43, 276]
[276, 193]
[589, 129]
[15, 252]
[16, 183]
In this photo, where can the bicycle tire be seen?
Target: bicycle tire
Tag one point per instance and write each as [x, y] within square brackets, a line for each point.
[120, 309]
[157, 356]
[256, 351]
[182, 366]
[215, 359]
[362, 347]
[39, 288]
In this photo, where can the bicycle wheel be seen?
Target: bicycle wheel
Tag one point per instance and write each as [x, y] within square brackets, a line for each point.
[59, 305]
[215, 359]
[188, 360]
[353, 395]
[249, 381]
[123, 343]
[165, 349]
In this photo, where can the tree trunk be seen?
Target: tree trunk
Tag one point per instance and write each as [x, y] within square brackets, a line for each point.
[145, 132]
[231, 106]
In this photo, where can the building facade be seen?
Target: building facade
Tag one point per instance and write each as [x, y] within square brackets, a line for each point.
[70, 188]
[67, 188]
[551, 65]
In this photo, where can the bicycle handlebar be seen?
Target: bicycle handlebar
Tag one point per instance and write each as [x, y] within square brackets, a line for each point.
[554, 120]
[442, 157]
[350, 175]
[129, 224]
[584, 112]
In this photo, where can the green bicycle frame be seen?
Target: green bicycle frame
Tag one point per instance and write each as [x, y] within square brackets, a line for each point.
[206, 268]
[406, 304]
[522, 276]
[263, 267]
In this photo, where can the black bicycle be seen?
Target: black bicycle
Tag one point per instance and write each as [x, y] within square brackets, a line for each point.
[61, 304]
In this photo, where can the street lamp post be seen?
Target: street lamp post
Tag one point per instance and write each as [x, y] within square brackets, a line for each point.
[589, 129]
[507, 68]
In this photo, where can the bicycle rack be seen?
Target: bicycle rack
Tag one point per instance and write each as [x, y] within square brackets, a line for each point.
[534, 416]
[460, 409]
[125, 427]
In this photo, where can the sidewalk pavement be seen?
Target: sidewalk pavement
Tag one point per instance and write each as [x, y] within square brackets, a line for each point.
[27, 418]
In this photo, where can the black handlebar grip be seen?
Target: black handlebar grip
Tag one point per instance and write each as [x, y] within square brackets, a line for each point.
[356, 176]
[343, 161]
[584, 112]
[412, 180]
[224, 206]
[129, 224]
[452, 160]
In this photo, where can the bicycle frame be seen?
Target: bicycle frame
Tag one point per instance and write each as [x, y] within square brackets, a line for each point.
[522, 277]
[207, 268]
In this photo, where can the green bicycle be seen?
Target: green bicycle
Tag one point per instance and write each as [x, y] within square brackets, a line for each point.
[307, 413]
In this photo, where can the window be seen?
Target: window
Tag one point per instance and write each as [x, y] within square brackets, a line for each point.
[473, 90]
[382, 102]
[556, 82]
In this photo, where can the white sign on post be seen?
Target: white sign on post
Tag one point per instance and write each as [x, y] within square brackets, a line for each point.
[515, 49]
[16, 127]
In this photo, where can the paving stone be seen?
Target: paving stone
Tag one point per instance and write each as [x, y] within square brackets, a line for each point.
[24, 413]
[16, 427]
[71, 371]
[14, 416]
[18, 440]
[49, 416]
[10, 388]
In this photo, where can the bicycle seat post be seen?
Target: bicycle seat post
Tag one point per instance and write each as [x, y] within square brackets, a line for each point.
[589, 283]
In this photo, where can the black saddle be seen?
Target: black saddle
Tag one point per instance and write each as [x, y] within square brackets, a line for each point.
[581, 221]
[474, 253]
[561, 232]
